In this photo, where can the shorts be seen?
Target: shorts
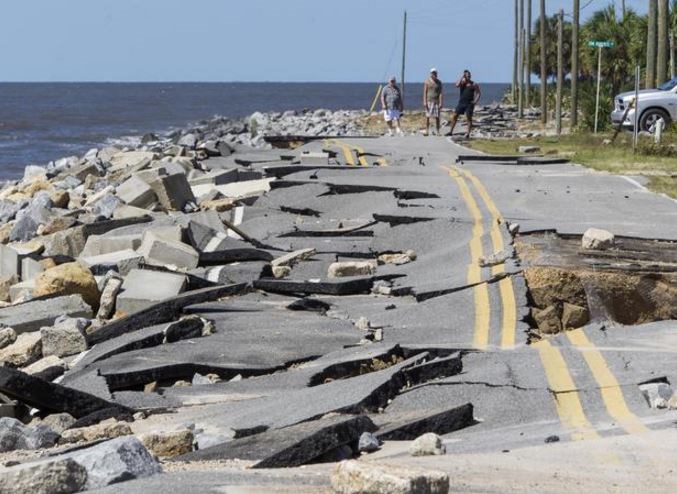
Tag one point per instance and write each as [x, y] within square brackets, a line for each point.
[432, 110]
[466, 109]
[390, 115]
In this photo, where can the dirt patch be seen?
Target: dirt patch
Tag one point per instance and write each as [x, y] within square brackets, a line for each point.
[634, 283]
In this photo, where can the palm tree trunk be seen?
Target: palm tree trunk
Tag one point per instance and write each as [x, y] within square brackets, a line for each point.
[663, 41]
[544, 74]
[527, 54]
[515, 56]
[574, 62]
[651, 45]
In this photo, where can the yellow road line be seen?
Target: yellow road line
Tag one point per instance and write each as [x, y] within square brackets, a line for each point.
[347, 151]
[609, 387]
[481, 291]
[362, 159]
[567, 400]
[505, 286]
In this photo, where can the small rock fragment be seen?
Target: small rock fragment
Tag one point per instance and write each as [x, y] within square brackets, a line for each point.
[281, 271]
[548, 320]
[67, 337]
[398, 258]
[596, 239]
[351, 268]
[657, 394]
[59, 422]
[363, 324]
[368, 443]
[427, 445]
[169, 444]
[574, 316]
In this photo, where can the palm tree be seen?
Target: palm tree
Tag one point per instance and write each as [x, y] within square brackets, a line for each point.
[551, 48]
[629, 36]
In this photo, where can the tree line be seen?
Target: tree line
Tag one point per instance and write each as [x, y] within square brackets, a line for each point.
[646, 41]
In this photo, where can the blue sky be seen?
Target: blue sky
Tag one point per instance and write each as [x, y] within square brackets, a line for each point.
[258, 40]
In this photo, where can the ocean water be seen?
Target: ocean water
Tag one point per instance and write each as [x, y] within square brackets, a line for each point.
[40, 122]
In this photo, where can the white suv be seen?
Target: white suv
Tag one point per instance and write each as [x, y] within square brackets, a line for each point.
[653, 105]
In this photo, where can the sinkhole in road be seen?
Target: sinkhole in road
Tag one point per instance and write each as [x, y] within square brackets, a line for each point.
[632, 283]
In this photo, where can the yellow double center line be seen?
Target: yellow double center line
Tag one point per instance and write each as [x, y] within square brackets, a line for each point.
[348, 149]
[481, 290]
[567, 398]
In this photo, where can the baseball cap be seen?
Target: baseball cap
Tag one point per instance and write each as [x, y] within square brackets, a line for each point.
[433, 70]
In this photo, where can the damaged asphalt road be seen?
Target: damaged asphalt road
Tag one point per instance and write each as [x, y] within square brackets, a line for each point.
[426, 325]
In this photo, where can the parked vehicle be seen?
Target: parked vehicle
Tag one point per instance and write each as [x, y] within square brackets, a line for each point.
[654, 104]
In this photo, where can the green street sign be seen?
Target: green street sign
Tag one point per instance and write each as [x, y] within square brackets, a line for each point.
[601, 44]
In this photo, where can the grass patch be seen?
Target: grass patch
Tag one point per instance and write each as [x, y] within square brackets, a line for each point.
[657, 162]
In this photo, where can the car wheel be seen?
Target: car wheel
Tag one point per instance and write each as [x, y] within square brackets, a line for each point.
[651, 116]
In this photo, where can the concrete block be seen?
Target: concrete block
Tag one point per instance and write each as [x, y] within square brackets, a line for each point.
[319, 159]
[121, 261]
[10, 261]
[135, 159]
[162, 250]
[30, 268]
[208, 218]
[18, 289]
[173, 191]
[136, 192]
[35, 314]
[216, 177]
[143, 288]
[99, 244]
[127, 211]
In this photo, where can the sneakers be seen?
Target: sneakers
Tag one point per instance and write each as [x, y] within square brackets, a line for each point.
[399, 132]
[390, 132]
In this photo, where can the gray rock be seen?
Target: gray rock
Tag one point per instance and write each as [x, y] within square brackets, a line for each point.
[60, 476]
[351, 268]
[24, 351]
[597, 239]
[66, 337]
[157, 249]
[188, 140]
[117, 460]
[173, 191]
[368, 443]
[143, 288]
[7, 337]
[59, 422]
[136, 192]
[105, 206]
[428, 444]
[33, 315]
[15, 435]
[657, 394]
[528, 149]
[9, 209]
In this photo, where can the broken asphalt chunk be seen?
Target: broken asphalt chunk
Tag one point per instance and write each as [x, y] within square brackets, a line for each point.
[290, 446]
[49, 397]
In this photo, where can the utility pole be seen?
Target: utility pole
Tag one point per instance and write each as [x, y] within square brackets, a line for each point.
[651, 45]
[623, 9]
[527, 57]
[560, 70]
[544, 74]
[574, 63]
[672, 55]
[520, 64]
[515, 55]
[663, 41]
[404, 53]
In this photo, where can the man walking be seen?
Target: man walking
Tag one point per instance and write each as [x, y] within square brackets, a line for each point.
[391, 102]
[469, 97]
[432, 100]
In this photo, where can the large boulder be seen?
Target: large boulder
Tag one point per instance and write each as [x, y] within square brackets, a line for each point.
[597, 239]
[68, 279]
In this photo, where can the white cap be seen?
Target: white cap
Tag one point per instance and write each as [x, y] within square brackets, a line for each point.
[392, 78]
[433, 70]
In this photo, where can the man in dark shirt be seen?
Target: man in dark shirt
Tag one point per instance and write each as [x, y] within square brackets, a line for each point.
[470, 95]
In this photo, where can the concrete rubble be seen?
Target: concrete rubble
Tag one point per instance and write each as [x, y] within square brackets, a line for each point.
[202, 297]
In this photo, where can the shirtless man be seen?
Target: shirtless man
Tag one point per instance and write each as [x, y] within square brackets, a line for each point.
[469, 97]
[432, 100]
